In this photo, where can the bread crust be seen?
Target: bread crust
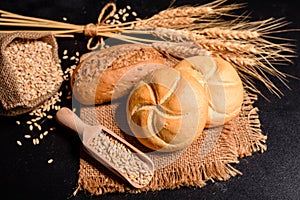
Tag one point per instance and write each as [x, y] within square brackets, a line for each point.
[167, 110]
[96, 77]
[222, 84]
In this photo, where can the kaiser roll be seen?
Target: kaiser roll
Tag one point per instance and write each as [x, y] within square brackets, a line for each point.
[167, 110]
[222, 84]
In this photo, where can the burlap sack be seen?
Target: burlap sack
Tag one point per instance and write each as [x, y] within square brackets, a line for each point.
[11, 102]
[209, 158]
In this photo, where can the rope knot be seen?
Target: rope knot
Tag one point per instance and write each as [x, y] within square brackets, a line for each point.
[90, 30]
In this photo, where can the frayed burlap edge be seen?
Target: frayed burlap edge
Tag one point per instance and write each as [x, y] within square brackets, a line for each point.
[239, 138]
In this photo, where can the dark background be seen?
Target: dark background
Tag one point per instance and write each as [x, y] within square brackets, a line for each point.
[275, 174]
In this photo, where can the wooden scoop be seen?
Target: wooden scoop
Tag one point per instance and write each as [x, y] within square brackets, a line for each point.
[119, 156]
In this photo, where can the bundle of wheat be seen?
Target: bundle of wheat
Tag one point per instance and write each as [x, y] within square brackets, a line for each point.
[210, 28]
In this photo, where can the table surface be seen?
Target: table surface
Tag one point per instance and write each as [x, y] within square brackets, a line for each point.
[26, 174]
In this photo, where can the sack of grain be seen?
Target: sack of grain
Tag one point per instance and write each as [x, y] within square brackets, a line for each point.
[30, 71]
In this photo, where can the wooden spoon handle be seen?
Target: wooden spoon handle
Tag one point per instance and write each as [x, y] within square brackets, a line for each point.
[71, 120]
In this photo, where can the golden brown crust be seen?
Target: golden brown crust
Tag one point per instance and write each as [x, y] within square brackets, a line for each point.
[178, 115]
[222, 84]
[96, 77]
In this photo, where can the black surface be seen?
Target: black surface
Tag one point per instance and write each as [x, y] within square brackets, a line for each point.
[275, 174]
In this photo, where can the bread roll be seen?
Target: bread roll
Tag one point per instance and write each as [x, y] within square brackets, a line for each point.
[99, 72]
[167, 110]
[222, 84]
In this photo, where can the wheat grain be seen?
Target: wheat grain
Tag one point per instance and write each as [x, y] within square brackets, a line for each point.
[134, 14]
[28, 57]
[27, 136]
[19, 142]
[121, 158]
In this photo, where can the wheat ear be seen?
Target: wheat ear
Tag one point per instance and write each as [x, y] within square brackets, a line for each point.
[181, 50]
[213, 8]
[189, 16]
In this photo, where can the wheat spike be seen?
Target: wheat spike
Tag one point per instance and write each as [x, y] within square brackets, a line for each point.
[176, 21]
[187, 17]
[227, 46]
[213, 8]
[181, 50]
[230, 34]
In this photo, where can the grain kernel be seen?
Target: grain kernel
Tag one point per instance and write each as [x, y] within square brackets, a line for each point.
[46, 133]
[32, 57]
[116, 153]
[19, 143]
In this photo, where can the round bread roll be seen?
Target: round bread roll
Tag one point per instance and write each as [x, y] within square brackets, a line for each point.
[95, 78]
[167, 110]
[222, 84]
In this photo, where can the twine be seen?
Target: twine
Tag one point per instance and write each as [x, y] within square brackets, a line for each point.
[91, 29]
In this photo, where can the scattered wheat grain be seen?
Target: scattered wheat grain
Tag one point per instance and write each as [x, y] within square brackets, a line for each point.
[19, 143]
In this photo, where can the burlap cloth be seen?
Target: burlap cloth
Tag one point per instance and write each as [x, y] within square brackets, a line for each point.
[11, 101]
[210, 158]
